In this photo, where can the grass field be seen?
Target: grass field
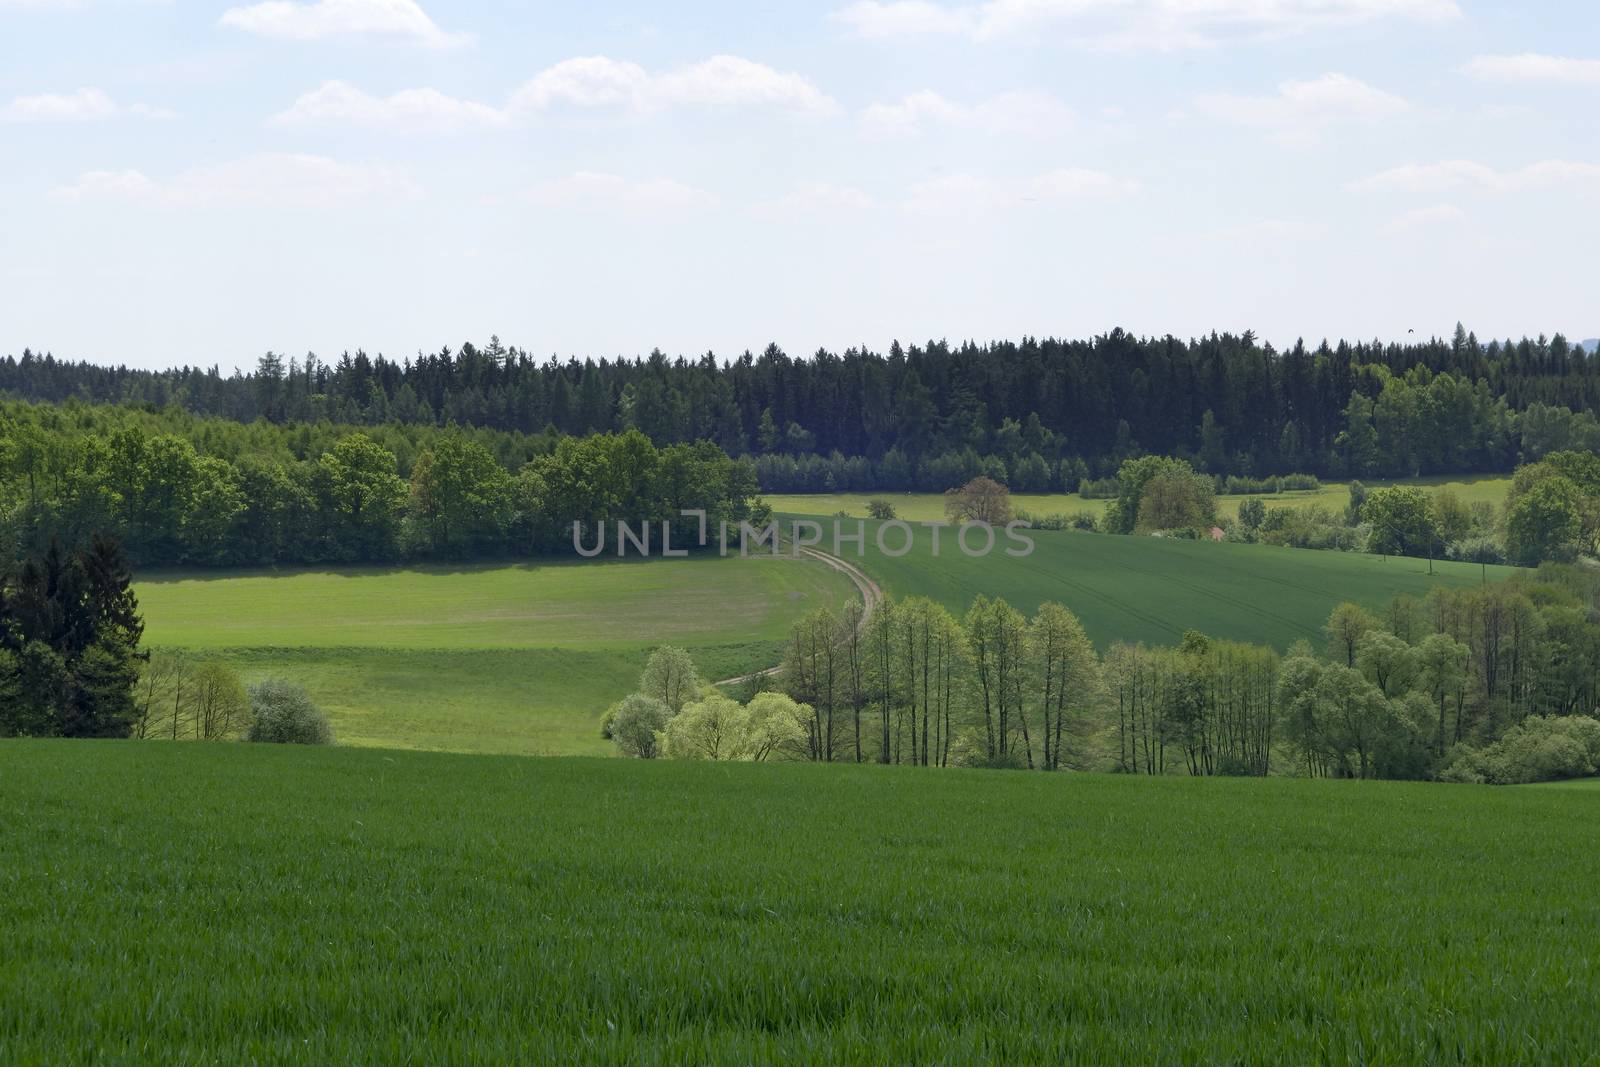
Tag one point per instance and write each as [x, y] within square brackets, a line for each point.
[490, 658]
[233, 903]
[929, 507]
[1153, 589]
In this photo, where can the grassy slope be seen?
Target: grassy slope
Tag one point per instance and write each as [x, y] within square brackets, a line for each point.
[233, 903]
[1153, 589]
[927, 507]
[520, 659]
[572, 604]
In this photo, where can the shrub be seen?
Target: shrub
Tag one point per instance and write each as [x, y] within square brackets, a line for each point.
[1054, 521]
[635, 725]
[1539, 749]
[1475, 550]
[1098, 488]
[282, 713]
[1084, 520]
[1235, 485]
[880, 509]
[1290, 482]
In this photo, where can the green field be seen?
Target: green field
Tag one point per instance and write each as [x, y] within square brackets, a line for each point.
[1153, 589]
[486, 658]
[929, 507]
[525, 658]
[231, 903]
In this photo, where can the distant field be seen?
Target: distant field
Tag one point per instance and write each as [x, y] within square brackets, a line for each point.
[250, 904]
[1153, 589]
[928, 507]
[571, 604]
[521, 701]
[484, 658]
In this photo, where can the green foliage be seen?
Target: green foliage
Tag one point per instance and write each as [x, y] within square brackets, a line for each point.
[182, 490]
[715, 728]
[219, 705]
[881, 510]
[1122, 515]
[283, 713]
[69, 630]
[1539, 749]
[1545, 521]
[670, 678]
[463, 496]
[635, 725]
[777, 724]
[1401, 518]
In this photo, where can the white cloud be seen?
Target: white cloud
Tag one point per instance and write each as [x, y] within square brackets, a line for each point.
[1132, 24]
[1330, 98]
[961, 193]
[1534, 67]
[399, 19]
[585, 82]
[595, 191]
[597, 82]
[411, 110]
[85, 105]
[265, 179]
[108, 185]
[724, 81]
[1013, 113]
[1300, 108]
[1465, 174]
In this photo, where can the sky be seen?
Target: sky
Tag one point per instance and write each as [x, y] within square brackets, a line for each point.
[189, 183]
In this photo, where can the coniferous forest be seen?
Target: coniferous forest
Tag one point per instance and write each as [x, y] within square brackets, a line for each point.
[1050, 412]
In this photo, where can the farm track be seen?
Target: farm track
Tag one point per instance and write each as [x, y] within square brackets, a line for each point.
[871, 596]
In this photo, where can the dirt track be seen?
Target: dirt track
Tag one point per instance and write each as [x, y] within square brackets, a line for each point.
[871, 597]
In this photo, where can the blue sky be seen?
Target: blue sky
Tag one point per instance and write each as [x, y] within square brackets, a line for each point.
[197, 183]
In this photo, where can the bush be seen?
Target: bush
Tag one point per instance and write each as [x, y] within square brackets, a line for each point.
[1054, 521]
[1235, 485]
[1084, 520]
[282, 714]
[1099, 488]
[880, 509]
[1290, 482]
[1475, 550]
[1539, 749]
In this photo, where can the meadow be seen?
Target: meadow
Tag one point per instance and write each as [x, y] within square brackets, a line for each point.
[517, 658]
[525, 658]
[929, 507]
[1153, 589]
[238, 903]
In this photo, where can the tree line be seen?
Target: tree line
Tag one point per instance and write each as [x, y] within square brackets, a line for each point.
[1049, 411]
[1495, 683]
[1551, 513]
[176, 488]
